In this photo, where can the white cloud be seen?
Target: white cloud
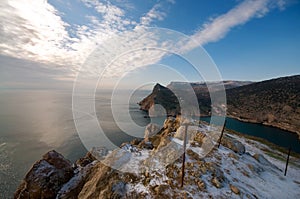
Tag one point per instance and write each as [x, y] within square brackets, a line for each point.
[31, 29]
[218, 27]
[34, 30]
[156, 13]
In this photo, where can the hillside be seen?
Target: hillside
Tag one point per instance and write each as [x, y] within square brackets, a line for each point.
[274, 102]
[166, 96]
[163, 96]
[240, 168]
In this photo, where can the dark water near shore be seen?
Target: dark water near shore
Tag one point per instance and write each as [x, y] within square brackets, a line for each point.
[275, 135]
[33, 122]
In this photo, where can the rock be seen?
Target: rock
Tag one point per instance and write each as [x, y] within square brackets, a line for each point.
[215, 181]
[233, 144]
[164, 141]
[73, 187]
[199, 137]
[234, 189]
[179, 134]
[99, 152]
[119, 190]
[261, 159]
[172, 124]
[201, 185]
[231, 155]
[117, 158]
[161, 191]
[46, 177]
[135, 142]
[193, 155]
[146, 145]
[87, 159]
[151, 130]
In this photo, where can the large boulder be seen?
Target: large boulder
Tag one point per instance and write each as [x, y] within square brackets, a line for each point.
[46, 177]
[233, 144]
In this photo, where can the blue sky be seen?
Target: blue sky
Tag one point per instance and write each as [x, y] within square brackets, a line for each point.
[46, 43]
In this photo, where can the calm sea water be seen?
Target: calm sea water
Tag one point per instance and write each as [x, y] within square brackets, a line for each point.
[274, 135]
[33, 122]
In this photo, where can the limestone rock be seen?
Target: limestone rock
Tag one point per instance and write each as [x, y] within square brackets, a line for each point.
[199, 137]
[151, 130]
[46, 177]
[216, 182]
[233, 144]
[87, 159]
[234, 189]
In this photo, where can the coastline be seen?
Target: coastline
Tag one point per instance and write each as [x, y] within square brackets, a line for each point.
[251, 121]
[264, 123]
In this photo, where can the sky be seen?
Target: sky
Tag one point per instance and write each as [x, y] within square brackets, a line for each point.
[47, 44]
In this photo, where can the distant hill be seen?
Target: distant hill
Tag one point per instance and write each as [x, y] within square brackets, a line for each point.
[201, 86]
[163, 96]
[274, 102]
[166, 96]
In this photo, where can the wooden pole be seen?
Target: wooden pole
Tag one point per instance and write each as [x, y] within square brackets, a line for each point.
[222, 133]
[183, 156]
[287, 161]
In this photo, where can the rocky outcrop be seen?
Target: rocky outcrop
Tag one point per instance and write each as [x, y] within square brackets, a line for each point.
[163, 96]
[46, 177]
[136, 170]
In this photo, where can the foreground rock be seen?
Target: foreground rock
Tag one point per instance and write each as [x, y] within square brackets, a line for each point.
[233, 144]
[152, 169]
[46, 177]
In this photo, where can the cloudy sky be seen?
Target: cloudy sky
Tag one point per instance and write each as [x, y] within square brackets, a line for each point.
[46, 43]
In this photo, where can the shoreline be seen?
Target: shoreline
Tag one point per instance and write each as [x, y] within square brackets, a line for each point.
[244, 120]
[264, 123]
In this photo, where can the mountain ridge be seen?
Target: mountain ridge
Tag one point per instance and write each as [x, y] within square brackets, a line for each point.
[274, 102]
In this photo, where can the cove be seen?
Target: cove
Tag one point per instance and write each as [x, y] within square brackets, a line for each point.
[275, 135]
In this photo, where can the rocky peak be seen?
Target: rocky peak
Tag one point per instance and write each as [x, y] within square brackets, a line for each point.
[46, 177]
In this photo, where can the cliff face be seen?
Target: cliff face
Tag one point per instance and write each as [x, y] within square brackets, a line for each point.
[163, 96]
[152, 169]
[274, 102]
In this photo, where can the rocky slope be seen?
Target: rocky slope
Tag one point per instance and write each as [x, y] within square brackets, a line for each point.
[274, 102]
[240, 168]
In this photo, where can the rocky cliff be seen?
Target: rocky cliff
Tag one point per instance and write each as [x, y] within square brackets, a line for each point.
[163, 96]
[274, 102]
[240, 168]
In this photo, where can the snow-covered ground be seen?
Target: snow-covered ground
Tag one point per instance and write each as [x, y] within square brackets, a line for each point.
[250, 172]
[260, 177]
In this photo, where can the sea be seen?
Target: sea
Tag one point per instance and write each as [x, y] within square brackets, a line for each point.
[33, 122]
